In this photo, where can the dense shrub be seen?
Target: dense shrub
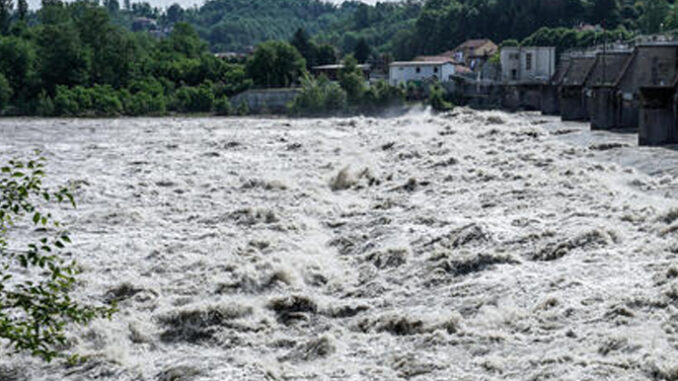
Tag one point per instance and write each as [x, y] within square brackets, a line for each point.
[223, 106]
[105, 101]
[437, 99]
[5, 93]
[195, 99]
[44, 105]
[318, 96]
[381, 94]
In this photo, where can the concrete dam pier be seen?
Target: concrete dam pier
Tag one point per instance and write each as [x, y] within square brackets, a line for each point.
[633, 88]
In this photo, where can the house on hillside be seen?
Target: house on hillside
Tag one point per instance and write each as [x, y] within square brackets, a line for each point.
[401, 72]
[473, 53]
[528, 63]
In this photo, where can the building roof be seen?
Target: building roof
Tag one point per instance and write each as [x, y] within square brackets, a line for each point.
[473, 44]
[339, 66]
[640, 66]
[561, 70]
[421, 63]
[607, 68]
[578, 71]
[440, 58]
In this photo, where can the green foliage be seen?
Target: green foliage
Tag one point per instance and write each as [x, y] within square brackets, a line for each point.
[195, 99]
[37, 307]
[275, 64]
[313, 54]
[654, 15]
[362, 51]
[381, 95]
[235, 25]
[351, 79]
[5, 14]
[5, 93]
[437, 99]
[318, 96]
[563, 38]
[243, 109]
[222, 106]
[44, 105]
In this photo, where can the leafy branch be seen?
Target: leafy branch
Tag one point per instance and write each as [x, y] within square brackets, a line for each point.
[36, 307]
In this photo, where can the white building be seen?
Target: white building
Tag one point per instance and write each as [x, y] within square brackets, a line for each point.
[527, 64]
[403, 72]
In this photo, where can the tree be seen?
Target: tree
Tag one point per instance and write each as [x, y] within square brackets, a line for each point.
[275, 64]
[63, 60]
[22, 9]
[362, 51]
[36, 307]
[307, 49]
[351, 79]
[654, 15]
[185, 40]
[174, 13]
[325, 55]
[5, 13]
[361, 17]
[113, 6]
[605, 12]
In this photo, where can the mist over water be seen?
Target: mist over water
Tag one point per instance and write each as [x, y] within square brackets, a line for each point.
[465, 246]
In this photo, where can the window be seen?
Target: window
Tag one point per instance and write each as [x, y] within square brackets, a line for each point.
[528, 61]
[418, 69]
[435, 69]
[514, 74]
[514, 56]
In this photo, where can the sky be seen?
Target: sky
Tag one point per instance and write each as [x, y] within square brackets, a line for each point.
[34, 4]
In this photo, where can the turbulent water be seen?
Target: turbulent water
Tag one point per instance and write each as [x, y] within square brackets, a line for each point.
[466, 246]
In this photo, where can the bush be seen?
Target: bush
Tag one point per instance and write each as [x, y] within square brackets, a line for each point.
[437, 99]
[318, 96]
[223, 106]
[37, 305]
[243, 109]
[66, 102]
[381, 95]
[105, 101]
[195, 99]
[5, 93]
[44, 105]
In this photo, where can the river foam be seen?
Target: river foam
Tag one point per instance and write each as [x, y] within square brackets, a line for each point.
[464, 246]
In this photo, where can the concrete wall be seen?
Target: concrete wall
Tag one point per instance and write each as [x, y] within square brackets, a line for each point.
[265, 100]
[514, 63]
[572, 103]
[656, 127]
[603, 111]
[522, 97]
[550, 104]
[657, 116]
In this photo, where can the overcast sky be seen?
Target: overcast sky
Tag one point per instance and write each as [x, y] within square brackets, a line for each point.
[184, 3]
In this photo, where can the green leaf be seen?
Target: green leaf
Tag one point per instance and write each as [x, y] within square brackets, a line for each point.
[36, 218]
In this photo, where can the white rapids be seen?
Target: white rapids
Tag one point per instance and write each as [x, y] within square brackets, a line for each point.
[465, 246]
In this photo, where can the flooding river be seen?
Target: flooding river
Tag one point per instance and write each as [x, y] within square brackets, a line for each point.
[466, 246]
